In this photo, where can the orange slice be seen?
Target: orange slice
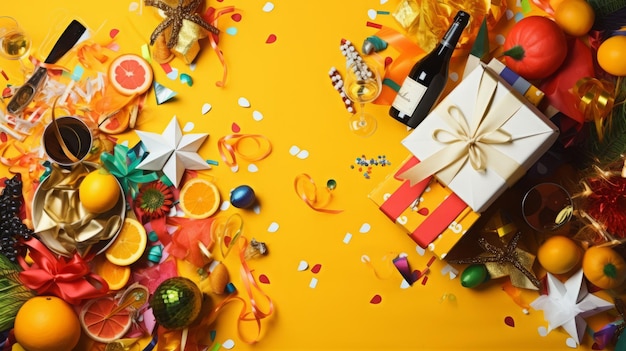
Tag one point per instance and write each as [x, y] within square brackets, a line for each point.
[130, 74]
[116, 276]
[129, 245]
[102, 322]
[199, 198]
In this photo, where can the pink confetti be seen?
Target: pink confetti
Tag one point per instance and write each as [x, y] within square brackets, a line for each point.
[423, 211]
[271, 38]
[508, 320]
[376, 300]
[113, 33]
[374, 25]
[264, 279]
[166, 67]
[236, 17]
[316, 269]
[235, 128]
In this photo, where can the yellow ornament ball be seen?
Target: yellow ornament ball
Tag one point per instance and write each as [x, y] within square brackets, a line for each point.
[612, 55]
[559, 254]
[575, 17]
[99, 191]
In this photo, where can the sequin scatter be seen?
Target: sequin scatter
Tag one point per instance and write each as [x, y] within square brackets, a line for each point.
[365, 165]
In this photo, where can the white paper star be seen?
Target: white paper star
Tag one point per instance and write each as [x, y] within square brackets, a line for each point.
[172, 152]
[567, 304]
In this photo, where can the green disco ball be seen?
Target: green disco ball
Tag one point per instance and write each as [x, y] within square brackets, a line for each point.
[176, 303]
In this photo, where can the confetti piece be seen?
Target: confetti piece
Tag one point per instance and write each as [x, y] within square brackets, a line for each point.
[542, 331]
[166, 67]
[508, 320]
[365, 227]
[371, 13]
[268, 7]
[231, 31]
[451, 271]
[234, 168]
[454, 76]
[313, 283]
[373, 25]
[273, 228]
[347, 238]
[303, 266]
[173, 74]
[212, 334]
[225, 205]
[256, 209]
[236, 17]
[113, 47]
[376, 299]
[316, 268]
[271, 39]
[293, 150]
[228, 344]
[264, 279]
[162, 93]
[382, 2]
[257, 116]
[404, 284]
[423, 211]
[4, 74]
[252, 168]
[133, 6]
[243, 102]
[188, 127]
[420, 250]
[206, 108]
[304, 154]
[571, 343]
[186, 79]
[113, 32]
[235, 128]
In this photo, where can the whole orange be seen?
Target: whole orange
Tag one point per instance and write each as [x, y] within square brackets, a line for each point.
[575, 17]
[47, 323]
[99, 191]
[612, 55]
[559, 254]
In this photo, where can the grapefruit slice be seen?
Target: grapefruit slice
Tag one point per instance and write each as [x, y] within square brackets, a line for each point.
[130, 74]
[102, 323]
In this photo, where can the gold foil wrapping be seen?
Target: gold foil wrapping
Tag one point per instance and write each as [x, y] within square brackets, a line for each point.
[187, 47]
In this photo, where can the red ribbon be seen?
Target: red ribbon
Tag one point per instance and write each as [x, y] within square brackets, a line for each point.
[68, 278]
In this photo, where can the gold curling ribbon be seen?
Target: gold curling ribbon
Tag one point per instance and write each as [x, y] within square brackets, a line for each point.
[308, 192]
[596, 102]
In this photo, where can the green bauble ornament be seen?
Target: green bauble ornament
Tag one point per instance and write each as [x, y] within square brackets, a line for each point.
[176, 303]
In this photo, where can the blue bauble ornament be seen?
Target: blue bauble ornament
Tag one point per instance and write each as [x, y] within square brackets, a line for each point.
[242, 196]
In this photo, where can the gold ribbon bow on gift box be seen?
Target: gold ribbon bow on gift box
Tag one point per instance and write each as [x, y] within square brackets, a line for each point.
[474, 144]
[182, 26]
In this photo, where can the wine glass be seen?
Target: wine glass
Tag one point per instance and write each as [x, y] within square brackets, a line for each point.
[362, 84]
[14, 41]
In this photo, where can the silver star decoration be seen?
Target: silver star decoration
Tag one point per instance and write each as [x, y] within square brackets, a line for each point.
[568, 304]
[172, 152]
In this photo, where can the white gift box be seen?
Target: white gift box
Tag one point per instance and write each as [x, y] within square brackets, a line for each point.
[480, 139]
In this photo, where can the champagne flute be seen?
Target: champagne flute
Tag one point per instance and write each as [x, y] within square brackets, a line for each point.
[362, 85]
[14, 41]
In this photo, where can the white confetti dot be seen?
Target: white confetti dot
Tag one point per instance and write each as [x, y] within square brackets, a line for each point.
[234, 168]
[225, 205]
[404, 284]
[173, 74]
[313, 283]
[228, 344]
[365, 259]
[347, 238]
[257, 116]
[303, 266]
[365, 227]
[268, 7]
[454, 76]
[509, 14]
[188, 127]
[303, 155]
[252, 168]
[542, 331]
[243, 102]
[133, 6]
[293, 151]
[273, 228]
[371, 13]
[420, 250]
[571, 343]
[382, 2]
[500, 39]
[206, 108]
[256, 209]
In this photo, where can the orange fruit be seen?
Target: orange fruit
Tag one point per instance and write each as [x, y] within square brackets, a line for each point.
[199, 198]
[130, 74]
[129, 245]
[575, 17]
[612, 55]
[559, 254]
[102, 323]
[115, 276]
[47, 323]
[99, 191]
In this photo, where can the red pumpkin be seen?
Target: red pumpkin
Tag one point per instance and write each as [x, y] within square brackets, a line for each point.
[535, 47]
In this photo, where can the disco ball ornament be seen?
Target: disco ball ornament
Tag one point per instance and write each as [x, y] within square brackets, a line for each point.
[176, 303]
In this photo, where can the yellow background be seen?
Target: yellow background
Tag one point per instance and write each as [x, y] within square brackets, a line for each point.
[287, 81]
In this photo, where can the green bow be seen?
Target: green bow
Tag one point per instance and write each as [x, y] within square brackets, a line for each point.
[122, 163]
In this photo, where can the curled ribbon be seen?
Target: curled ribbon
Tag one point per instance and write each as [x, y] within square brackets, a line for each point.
[212, 16]
[596, 102]
[230, 146]
[307, 191]
[226, 232]
[122, 163]
[472, 143]
[68, 278]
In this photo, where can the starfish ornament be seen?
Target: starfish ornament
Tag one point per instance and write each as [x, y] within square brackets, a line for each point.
[174, 18]
[172, 152]
[510, 254]
[567, 304]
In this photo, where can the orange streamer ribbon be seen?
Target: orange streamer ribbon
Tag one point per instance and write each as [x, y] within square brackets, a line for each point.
[307, 191]
[229, 146]
[212, 16]
[596, 102]
[91, 55]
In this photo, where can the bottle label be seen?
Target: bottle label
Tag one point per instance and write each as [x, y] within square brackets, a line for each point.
[409, 96]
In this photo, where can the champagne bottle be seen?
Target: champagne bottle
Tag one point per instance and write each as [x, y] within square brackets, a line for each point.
[423, 86]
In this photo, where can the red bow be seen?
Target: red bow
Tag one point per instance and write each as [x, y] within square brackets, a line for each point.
[68, 278]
